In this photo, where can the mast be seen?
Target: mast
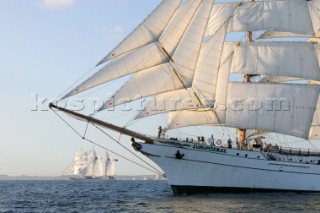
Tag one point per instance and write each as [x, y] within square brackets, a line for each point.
[247, 79]
[121, 130]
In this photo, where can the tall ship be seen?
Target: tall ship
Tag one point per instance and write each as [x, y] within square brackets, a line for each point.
[110, 167]
[86, 165]
[251, 67]
[77, 167]
[95, 166]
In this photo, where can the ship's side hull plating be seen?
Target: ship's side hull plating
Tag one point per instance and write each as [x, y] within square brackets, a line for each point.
[215, 169]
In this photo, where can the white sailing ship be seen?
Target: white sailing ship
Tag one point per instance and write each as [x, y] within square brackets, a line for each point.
[86, 165]
[94, 168]
[78, 166]
[188, 51]
[110, 167]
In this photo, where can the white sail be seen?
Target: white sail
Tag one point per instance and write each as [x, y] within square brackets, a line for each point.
[206, 75]
[171, 101]
[282, 108]
[223, 80]
[173, 33]
[291, 59]
[98, 171]
[150, 82]
[70, 169]
[137, 60]
[175, 75]
[221, 13]
[192, 118]
[186, 55]
[148, 31]
[252, 16]
[202, 92]
[314, 9]
[94, 169]
[314, 133]
[110, 167]
[81, 162]
[146, 56]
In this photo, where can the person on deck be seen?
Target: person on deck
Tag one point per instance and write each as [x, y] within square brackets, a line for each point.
[159, 132]
[229, 144]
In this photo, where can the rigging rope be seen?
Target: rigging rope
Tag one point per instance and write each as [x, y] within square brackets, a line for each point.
[83, 75]
[85, 132]
[104, 132]
[96, 144]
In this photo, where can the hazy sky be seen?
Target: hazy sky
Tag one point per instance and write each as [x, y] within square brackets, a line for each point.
[45, 46]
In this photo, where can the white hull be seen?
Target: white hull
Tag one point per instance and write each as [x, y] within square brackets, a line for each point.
[75, 177]
[93, 178]
[110, 178]
[219, 170]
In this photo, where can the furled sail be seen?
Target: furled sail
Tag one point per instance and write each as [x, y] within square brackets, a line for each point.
[148, 31]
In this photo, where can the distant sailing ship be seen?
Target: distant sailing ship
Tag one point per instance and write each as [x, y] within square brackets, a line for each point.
[94, 168]
[77, 167]
[89, 165]
[183, 51]
[110, 167]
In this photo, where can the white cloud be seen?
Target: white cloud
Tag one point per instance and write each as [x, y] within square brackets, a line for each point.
[57, 4]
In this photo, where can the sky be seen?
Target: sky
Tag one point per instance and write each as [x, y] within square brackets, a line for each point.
[45, 46]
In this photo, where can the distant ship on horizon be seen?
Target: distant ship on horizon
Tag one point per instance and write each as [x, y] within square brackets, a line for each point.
[90, 165]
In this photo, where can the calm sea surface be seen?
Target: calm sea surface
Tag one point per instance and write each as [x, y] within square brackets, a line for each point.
[139, 196]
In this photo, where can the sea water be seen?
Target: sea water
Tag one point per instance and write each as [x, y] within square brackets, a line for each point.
[140, 196]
